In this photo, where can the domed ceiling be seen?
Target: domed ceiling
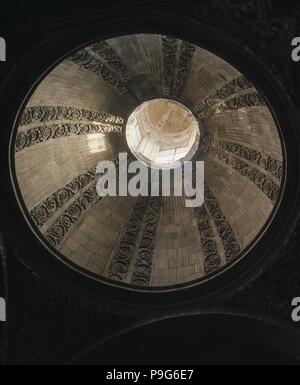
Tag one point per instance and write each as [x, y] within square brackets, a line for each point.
[181, 97]
[161, 131]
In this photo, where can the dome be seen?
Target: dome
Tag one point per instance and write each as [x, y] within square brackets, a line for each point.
[161, 132]
[160, 100]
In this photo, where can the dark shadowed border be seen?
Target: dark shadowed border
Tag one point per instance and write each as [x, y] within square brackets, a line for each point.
[33, 67]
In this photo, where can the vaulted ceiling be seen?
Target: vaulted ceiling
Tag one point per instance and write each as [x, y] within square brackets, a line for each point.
[76, 117]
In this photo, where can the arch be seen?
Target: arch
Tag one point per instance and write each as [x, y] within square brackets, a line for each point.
[213, 338]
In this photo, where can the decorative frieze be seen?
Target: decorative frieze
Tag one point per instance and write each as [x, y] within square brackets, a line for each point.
[183, 67]
[177, 60]
[142, 270]
[211, 255]
[262, 181]
[271, 165]
[230, 88]
[85, 60]
[49, 206]
[37, 114]
[119, 265]
[114, 61]
[169, 48]
[230, 244]
[59, 229]
[43, 133]
[252, 99]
